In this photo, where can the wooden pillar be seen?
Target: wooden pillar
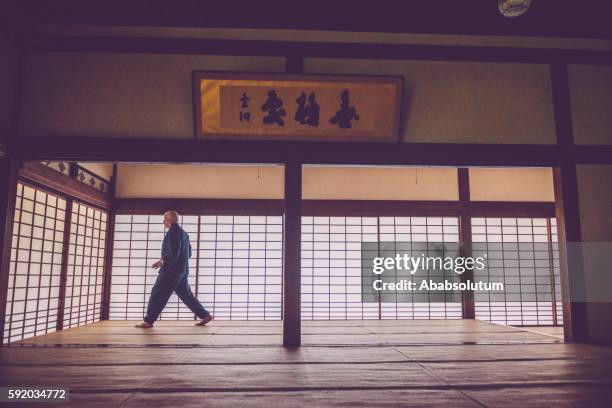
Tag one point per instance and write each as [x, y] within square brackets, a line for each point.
[9, 172]
[108, 251]
[292, 273]
[292, 238]
[294, 64]
[567, 212]
[64, 266]
[572, 272]
[468, 310]
[551, 271]
[8, 191]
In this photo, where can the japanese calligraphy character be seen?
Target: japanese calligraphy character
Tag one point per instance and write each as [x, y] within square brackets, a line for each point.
[346, 113]
[245, 100]
[273, 106]
[312, 111]
[307, 114]
[300, 113]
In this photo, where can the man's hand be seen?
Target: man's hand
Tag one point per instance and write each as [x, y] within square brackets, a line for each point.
[158, 264]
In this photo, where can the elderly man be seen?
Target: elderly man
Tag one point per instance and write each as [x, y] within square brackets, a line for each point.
[173, 269]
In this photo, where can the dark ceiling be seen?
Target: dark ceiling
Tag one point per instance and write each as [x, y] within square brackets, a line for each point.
[548, 18]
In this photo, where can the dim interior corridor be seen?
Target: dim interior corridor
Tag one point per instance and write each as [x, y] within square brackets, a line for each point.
[458, 363]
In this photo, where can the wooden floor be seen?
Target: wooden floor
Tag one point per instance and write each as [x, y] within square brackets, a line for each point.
[457, 363]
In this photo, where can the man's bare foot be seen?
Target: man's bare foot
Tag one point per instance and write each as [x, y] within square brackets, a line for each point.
[144, 325]
[205, 320]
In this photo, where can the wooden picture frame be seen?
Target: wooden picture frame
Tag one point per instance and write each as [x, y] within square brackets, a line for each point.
[367, 108]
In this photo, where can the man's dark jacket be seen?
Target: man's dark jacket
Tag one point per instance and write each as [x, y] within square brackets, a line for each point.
[176, 251]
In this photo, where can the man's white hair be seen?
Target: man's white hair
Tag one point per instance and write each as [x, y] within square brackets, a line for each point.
[174, 215]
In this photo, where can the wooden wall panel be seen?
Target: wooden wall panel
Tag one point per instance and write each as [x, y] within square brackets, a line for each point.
[511, 184]
[464, 102]
[591, 100]
[199, 181]
[8, 79]
[119, 95]
[380, 183]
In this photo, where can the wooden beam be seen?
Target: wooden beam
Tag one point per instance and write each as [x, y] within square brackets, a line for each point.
[546, 18]
[397, 208]
[194, 206]
[52, 179]
[379, 208]
[511, 209]
[406, 52]
[8, 193]
[266, 151]
[292, 272]
[327, 208]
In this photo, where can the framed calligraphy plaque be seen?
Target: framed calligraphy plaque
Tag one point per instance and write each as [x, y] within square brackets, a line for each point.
[297, 107]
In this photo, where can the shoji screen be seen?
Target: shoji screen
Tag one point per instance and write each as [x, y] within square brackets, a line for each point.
[235, 270]
[35, 265]
[240, 269]
[331, 266]
[137, 245]
[85, 272]
[523, 254]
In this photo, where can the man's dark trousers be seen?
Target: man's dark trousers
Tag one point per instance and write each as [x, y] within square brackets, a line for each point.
[172, 277]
